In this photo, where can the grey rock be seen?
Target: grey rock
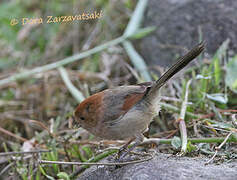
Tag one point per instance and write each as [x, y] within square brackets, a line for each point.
[165, 167]
[179, 23]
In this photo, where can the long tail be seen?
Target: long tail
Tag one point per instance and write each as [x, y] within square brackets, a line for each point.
[180, 64]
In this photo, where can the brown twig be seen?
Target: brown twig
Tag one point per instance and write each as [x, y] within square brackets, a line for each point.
[182, 125]
[23, 152]
[6, 168]
[12, 135]
[166, 98]
[171, 134]
[43, 126]
[215, 128]
[99, 164]
[213, 114]
[218, 148]
[97, 143]
[12, 103]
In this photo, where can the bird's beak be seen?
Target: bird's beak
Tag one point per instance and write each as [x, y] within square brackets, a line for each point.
[74, 123]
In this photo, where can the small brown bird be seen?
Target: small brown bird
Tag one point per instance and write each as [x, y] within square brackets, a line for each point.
[125, 112]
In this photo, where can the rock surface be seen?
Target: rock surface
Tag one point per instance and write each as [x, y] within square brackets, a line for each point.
[181, 23]
[165, 167]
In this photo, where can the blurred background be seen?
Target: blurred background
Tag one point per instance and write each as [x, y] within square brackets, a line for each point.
[36, 111]
[24, 47]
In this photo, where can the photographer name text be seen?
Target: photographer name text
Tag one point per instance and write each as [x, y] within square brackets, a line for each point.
[59, 19]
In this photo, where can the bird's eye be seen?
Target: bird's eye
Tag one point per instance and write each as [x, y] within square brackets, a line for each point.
[82, 118]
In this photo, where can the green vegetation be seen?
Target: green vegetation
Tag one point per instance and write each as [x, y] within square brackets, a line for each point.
[38, 98]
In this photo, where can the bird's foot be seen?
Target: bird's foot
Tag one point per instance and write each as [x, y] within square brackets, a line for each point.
[123, 151]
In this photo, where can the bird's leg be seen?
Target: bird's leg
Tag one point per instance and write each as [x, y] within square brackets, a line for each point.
[124, 148]
[122, 153]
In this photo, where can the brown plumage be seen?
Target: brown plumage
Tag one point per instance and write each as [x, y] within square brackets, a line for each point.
[126, 111]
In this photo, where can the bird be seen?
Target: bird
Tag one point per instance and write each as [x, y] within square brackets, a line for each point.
[125, 112]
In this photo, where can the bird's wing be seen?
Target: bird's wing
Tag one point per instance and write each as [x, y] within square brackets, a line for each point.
[120, 100]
